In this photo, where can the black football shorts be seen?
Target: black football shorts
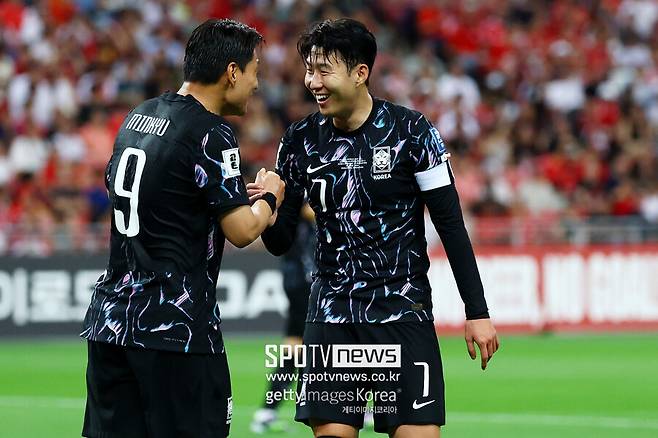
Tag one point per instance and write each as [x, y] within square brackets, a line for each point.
[141, 393]
[365, 379]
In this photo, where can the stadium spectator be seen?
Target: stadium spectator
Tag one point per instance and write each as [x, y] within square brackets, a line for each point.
[67, 141]
[28, 151]
[6, 172]
[98, 137]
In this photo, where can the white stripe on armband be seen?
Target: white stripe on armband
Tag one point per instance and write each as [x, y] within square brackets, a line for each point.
[437, 176]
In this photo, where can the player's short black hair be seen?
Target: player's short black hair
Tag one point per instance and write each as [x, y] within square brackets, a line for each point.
[213, 45]
[345, 38]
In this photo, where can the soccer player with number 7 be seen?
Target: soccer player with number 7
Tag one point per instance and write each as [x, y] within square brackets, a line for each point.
[156, 361]
[370, 167]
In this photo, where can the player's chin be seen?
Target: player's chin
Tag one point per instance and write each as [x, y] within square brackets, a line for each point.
[326, 110]
[240, 110]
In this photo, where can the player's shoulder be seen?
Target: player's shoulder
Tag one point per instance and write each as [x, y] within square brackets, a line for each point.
[300, 130]
[216, 125]
[203, 124]
[308, 124]
[202, 121]
[189, 111]
[146, 107]
[407, 117]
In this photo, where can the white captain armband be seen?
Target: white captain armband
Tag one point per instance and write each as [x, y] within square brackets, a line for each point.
[437, 176]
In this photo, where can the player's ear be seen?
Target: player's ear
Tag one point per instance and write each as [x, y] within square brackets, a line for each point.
[362, 74]
[232, 73]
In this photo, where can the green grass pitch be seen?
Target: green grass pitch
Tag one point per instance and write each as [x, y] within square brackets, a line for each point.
[537, 386]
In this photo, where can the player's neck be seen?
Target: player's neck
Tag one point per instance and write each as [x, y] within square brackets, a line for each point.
[208, 95]
[358, 116]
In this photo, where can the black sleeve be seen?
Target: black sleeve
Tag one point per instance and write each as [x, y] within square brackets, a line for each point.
[446, 214]
[279, 237]
[217, 170]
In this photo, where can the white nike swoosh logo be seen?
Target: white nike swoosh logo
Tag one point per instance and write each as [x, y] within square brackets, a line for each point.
[311, 169]
[417, 405]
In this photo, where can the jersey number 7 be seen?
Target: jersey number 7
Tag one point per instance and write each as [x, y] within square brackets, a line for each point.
[323, 192]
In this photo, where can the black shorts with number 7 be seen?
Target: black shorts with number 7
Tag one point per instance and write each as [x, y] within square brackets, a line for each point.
[394, 366]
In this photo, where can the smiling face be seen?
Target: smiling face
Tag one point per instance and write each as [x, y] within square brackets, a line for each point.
[243, 85]
[334, 87]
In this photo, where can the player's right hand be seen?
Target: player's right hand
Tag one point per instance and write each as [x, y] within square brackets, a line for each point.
[482, 333]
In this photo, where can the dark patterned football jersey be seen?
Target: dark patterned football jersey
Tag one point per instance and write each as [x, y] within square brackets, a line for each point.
[174, 170]
[364, 187]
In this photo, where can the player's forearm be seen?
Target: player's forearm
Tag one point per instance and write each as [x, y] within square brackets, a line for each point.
[445, 211]
[262, 212]
[244, 224]
[279, 237]
[464, 267]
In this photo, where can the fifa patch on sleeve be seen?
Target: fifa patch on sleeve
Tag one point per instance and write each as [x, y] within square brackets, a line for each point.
[437, 139]
[231, 163]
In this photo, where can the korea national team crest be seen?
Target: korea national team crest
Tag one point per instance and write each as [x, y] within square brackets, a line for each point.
[381, 162]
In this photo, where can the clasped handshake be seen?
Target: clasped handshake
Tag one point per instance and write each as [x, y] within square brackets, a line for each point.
[267, 181]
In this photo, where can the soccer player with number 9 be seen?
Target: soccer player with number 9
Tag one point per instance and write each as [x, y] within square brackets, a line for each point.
[156, 360]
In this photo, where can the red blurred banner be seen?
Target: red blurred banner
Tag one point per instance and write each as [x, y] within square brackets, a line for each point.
[557, 288]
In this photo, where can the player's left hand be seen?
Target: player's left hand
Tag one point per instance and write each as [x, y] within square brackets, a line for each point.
[482, 333]
[254, 191]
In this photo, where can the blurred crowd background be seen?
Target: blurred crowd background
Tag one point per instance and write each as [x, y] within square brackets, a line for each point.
[550, 108]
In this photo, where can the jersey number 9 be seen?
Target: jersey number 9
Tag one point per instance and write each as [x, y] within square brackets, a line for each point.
[137, 167]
